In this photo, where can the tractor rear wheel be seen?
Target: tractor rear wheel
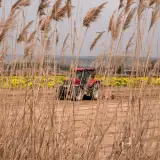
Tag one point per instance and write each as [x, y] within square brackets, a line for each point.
[61, 93]
[96, 91]
[77, 94]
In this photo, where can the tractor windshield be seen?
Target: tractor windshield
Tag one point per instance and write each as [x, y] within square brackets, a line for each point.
[84, 74]
[79, 74]
[87, 74]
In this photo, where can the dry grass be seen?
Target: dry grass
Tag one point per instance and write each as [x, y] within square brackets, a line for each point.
[121, 5]
[83, 130]
[129, 44]
[64, 47]
[129, 5]
[60, 13]
[4, 52]
[35, 125]
[111, 23]
[8, 24]
[23, 35]
[96, 40]
[92, 15]
[56, 7]
[21, 3]
[31, 37]
[155, 16]
[129, 19]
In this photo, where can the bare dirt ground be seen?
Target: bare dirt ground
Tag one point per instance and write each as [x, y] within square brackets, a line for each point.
[110, 114]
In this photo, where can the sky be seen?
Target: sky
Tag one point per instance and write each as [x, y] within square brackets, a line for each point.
[100, 25]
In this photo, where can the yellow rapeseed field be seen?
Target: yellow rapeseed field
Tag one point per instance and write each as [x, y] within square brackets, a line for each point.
[51, 81]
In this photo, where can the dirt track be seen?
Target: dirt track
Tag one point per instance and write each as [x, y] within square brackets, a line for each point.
[83, 113]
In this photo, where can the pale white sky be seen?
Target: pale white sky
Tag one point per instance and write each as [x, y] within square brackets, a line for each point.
[100, 25]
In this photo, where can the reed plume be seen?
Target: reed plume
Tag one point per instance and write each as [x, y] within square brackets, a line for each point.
[64, 47]
[116, 29]
[74, 38]
[31, 37]
[21, 3]
[121, 5]
[140, 11]
[60, 14]
[48, 44]
[4, 52]
[42, 24]
[43, 5]
[41, 8]
[28, 50]
[129, 18]
[0, 3]
[155, 16]
[111, 23]
[129, 5]
[64, 43]
[144, 3]
[1, 26]
[57, 39]
[56, 7]
[96, 40]
[152, 2]
[23, 34]
[92, 15]
[45, 24]
[129, 44]
[55, 33]
[69, 8]
[8, 24]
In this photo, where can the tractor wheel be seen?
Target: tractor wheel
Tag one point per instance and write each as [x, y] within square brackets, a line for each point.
[61, 93]
[96, 91]
[77, 94]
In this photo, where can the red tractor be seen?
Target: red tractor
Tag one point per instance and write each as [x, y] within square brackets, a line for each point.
[82, 84]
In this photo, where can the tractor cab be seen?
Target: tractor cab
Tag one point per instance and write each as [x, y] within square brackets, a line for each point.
[83, 75]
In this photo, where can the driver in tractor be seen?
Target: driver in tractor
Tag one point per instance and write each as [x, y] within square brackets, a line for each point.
[91, 79]
[93, 74]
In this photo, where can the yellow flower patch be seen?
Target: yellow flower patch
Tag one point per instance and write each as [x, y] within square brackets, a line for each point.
[51, 81]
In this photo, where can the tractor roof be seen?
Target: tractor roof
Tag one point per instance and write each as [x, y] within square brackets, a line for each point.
[82, 69]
